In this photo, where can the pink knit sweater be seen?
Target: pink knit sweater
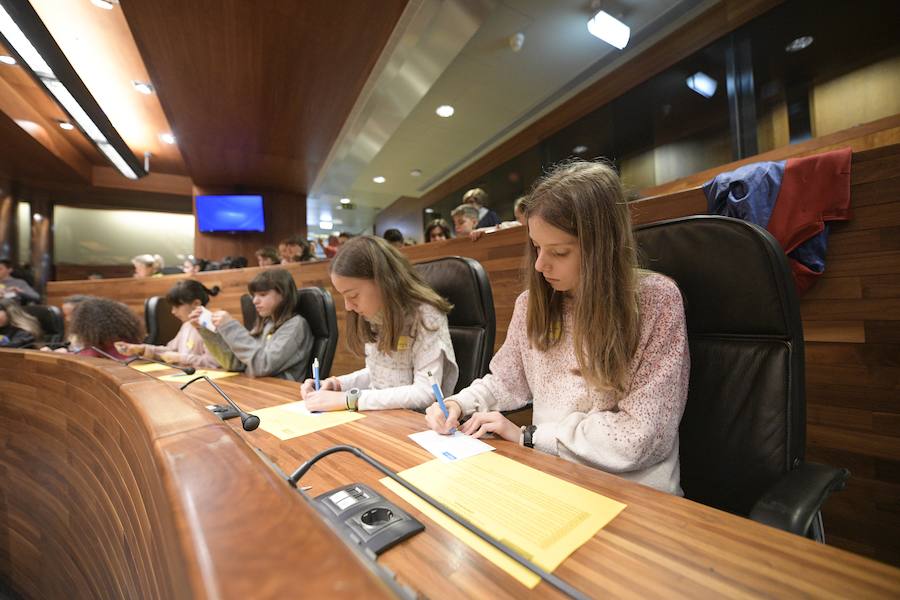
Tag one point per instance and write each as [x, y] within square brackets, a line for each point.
[636, 438]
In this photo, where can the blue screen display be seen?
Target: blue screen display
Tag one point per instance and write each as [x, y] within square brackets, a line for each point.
[230, 213]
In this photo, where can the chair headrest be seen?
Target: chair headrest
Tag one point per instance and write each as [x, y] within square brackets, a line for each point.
[461, 281]
[312, 305]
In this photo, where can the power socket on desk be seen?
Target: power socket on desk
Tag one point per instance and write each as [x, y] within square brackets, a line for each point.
[366, 518]
[223, 411]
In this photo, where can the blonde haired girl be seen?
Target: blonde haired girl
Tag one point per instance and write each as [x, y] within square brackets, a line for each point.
[599, 346]
[148, 265]
[398, 322]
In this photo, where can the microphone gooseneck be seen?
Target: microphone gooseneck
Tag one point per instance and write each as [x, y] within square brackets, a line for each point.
[248, 422]
[185, 370]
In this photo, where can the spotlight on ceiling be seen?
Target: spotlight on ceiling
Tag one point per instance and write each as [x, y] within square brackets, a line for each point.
[7, 60]
[801, 43]
[379, 179]
[144, 87]
[167, 138]
[66, 125]
[104, 4]
[579, 149]
[345, 200]
[609, 29]
[703, 84]
[445, 111]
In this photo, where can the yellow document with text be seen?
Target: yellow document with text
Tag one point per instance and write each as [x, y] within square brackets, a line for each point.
[148, 367]
[181, 377]
[291, 420]
[542, 517]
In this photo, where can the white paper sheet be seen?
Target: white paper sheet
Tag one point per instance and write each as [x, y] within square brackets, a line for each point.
[450, 447]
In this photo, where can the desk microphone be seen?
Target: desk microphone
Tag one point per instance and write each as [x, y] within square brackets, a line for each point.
[248, 421]
[128, 361]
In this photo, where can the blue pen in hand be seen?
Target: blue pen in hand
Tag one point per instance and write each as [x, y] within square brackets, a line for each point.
[316, 373]
[440, 398]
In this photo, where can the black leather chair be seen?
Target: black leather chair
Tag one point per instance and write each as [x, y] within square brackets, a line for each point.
[51, 320]
[464, 282]
[162, 325]
[743, 434]
[317, 307]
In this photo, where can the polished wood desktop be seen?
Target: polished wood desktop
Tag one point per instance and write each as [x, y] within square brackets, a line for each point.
[659, 546]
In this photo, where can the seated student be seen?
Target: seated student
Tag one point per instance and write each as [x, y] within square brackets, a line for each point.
[187, 347]
[398, 322]
[465, 219]
[278, 345]
[12, 287]
[267, 256]
[100, 323]
[518, 211]
[193, 265]
[68, 306]
[437, 230]
[17, 328]
[394, 237]
[148, 265]
[598, 345]
[290, 250]
[477, 197]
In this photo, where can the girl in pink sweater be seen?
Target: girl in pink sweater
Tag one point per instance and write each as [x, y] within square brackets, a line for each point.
[596, 344]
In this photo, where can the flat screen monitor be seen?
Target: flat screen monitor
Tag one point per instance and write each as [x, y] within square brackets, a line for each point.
[230, 213]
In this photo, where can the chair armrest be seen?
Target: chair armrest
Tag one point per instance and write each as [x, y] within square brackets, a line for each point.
[795, 499]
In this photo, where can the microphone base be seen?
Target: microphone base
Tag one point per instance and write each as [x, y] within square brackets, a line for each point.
[365, 518]
[223, 411]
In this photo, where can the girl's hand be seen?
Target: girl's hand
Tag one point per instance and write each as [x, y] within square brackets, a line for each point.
[309, 386]
[323, 401]
[127, 349]
[194, 317]
[220, 317]
[491, 422]
[434, 417]
[170, 357]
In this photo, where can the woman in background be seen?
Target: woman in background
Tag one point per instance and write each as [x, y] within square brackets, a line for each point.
[17, 328]
[148, 265]
[437, 230]
[187, 347]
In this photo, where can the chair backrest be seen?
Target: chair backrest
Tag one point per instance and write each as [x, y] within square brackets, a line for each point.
[51, 320]
[162, 325]
[464, 282]
[317, 307]
[745, 424]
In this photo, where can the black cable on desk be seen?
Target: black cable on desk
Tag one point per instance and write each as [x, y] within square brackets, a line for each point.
[550, 578]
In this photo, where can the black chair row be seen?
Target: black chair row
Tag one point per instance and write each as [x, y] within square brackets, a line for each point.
[743, 432]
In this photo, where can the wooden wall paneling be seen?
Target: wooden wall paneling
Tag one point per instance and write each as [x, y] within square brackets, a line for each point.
[117, 485]
[851, 321]
[285, 216]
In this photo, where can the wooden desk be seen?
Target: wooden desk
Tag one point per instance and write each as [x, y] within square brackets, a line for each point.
[659, 546]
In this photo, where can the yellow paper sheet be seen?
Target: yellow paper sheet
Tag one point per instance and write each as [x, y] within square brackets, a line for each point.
[291, 420]
[542, 517]
[148, 367]
[211, 374]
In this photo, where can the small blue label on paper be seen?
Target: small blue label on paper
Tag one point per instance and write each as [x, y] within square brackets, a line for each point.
[448, 455]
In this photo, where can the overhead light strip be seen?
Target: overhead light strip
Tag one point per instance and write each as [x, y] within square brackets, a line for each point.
[110, 144]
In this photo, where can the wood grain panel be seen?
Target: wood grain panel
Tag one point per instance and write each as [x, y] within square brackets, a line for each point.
[116, 485]
[857, 302]
[660, 546]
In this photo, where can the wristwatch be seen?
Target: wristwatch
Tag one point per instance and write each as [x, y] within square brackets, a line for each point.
[353, 399]
[528, 436]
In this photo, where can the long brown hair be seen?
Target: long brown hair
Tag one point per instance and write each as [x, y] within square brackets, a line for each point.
[281, 281]
[100, 322]
[586, 200]
[402, 290]
[17, 317]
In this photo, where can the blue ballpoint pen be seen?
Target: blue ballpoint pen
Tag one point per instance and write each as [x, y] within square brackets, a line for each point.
[440, 398]
[316, 373]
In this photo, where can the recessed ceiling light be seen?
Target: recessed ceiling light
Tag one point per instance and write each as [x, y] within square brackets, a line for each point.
[7, 60]
[799, 44]
[345, 200]
[143, 87]
[609, 29]
[105, 4]
[429, 210]
[703, 84]
[416, 172]
[445, 110]
[326, 225]
[379, 179]
[580, 149]
[66, 125]
[167, 138]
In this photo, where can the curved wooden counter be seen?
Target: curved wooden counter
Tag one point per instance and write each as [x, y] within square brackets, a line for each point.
[116, 485]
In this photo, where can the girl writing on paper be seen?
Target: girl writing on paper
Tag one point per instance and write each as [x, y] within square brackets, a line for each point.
[187, 347]
[398, 322]
[599, 346]
[280, 342]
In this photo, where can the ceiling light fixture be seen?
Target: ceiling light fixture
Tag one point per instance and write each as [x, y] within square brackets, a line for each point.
[144, 87]
[167, 138]
[703, 84]
[19, 23]
[379, 179]
[7, 60]
[801, 43]
[104, 4]
[429, 210]
[445, 111]
[345, 200]
[609, 29]
[66, 125]
[579, 149]
[326, 225]
[416, 173]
